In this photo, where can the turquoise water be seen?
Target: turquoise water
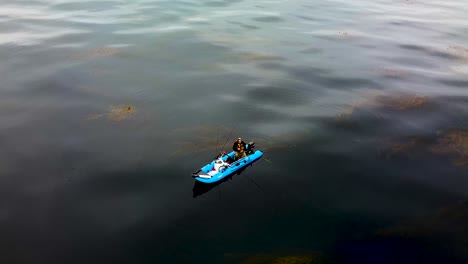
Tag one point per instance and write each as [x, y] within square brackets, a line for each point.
[106, 107]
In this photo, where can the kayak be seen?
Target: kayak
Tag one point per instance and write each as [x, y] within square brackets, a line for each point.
[221, 167]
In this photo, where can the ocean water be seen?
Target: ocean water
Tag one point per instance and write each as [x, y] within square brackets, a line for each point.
[107, 107]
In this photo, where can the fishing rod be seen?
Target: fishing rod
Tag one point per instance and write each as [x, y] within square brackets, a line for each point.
[217, 139]
[230, 134]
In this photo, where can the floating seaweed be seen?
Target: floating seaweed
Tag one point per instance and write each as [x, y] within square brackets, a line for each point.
[121, 112]
[400, 103]
[404, 102]
[116, 113]
[406, 147]
[455, 143]
[310, 258]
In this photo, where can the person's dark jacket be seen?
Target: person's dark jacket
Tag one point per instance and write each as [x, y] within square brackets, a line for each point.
[238, 146]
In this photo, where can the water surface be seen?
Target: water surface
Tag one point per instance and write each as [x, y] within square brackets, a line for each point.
[106, 107]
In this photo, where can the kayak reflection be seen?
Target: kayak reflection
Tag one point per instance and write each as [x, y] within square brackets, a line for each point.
[200, 188]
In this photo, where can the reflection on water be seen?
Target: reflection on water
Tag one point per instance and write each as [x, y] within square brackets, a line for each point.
[361, 109]
[427, 238]
[459, 52]
[203, 138]
[200, 188]
[443, 229]
[102, 52]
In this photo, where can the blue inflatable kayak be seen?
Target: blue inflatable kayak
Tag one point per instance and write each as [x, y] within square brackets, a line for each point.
[220, 168]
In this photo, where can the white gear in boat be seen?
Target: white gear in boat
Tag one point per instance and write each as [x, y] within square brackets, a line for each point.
[217, 165]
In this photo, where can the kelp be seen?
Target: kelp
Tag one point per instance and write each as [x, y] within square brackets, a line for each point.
[404, 102]
[454, 143]
[309, 258]
[117, 113]
[376, 101]
[405, 147]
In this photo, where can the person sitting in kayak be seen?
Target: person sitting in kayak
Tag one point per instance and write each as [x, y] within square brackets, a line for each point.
[239, 148]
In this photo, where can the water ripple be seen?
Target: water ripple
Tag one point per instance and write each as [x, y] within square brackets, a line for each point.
[334, 78]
